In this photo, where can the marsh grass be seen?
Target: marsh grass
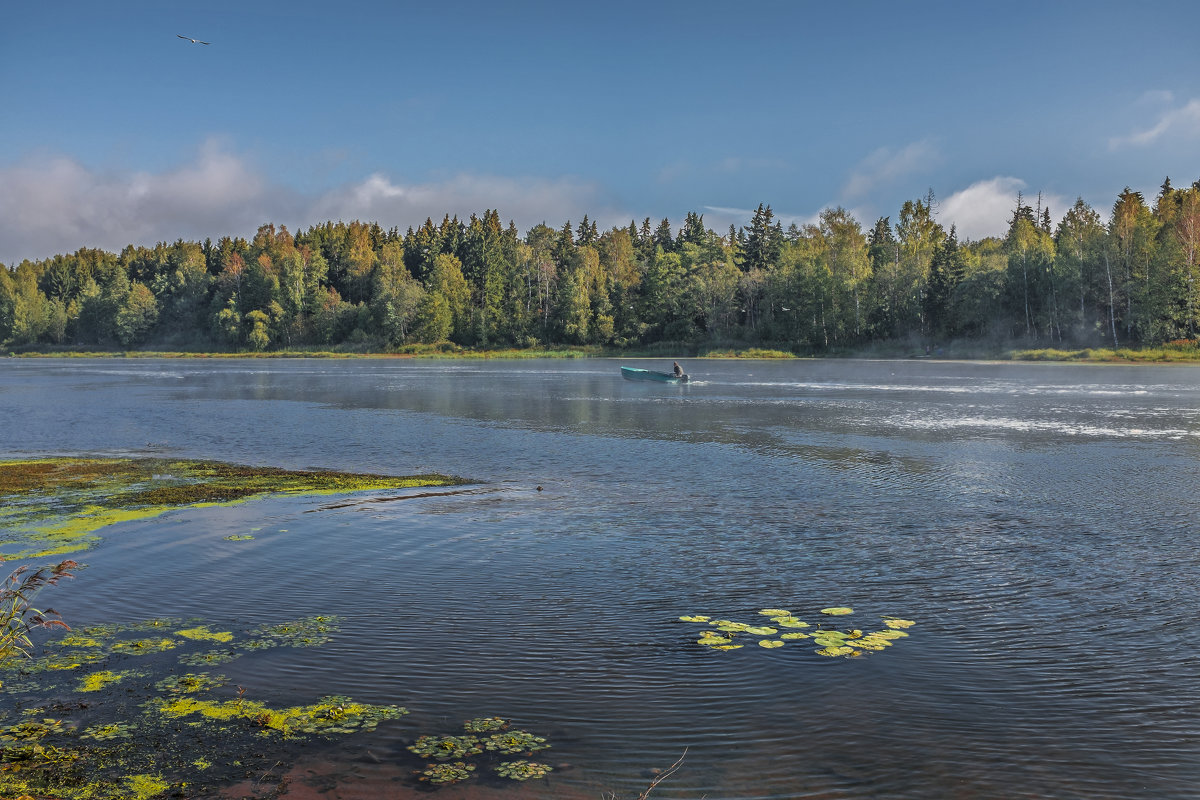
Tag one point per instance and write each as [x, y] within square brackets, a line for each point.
[18, 617]
[1175, 352]
[750, 352]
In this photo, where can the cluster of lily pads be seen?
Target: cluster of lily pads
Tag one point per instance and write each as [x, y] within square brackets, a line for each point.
[830, 641]
[116, 733]
[498, 739]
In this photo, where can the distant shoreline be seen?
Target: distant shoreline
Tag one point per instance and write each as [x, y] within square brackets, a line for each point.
[1155, 355]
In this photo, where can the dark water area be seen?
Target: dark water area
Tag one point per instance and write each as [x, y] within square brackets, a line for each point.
[1041, 523]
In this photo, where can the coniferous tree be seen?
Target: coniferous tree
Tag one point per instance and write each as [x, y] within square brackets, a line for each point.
[945, 273]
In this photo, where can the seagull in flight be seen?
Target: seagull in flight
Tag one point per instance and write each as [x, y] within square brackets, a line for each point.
[190, 39]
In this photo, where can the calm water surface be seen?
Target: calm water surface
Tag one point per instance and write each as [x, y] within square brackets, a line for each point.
[1041, 523]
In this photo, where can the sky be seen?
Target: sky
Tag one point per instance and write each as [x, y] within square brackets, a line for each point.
[115, 131]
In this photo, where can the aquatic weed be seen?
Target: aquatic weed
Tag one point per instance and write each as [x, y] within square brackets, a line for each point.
[447, 773]
[446, 746]
[523, 770]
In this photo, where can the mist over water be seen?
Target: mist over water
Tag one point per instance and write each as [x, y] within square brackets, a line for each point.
[1039, 522]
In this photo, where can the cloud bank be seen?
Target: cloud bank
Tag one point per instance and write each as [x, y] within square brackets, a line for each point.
[56, 205]
[984, 208]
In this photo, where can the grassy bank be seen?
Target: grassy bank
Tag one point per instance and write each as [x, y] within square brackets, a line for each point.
[1185, 352]
[1125, 355]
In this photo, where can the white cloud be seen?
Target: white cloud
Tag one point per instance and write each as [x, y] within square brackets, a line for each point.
[57, 205]
[887, 164]
[985, 207]
[1183, 121]
[54, 204]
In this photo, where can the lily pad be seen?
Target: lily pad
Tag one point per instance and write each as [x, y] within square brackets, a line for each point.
[829, 641]
[713, 641]
[871, 643]
[728, 623]
[837, 611]
[775, 612]
[695, 618]
[835, 651]
[770, 643]
[789, 622]
[893, 622]
[889, 634]
[762, 631]
[726, 646]
[793, 635]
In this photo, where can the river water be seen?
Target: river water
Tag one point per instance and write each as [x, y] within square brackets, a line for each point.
[1040, 523]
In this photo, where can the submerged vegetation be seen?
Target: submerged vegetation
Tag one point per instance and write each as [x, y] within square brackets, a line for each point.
[56, 505]
[829, 640]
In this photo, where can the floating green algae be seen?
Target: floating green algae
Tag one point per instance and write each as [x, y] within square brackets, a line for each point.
[828, 641]
[104, 678]
[119, 739]
[56, 505]
[141, 647]
[330, 715]
[201, 632]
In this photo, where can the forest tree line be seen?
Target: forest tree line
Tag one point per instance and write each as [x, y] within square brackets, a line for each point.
[811, 288]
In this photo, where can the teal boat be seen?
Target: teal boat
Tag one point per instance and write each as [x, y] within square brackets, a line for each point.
[635, 374]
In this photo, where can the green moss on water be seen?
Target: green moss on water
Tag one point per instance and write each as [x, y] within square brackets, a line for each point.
[141, 647]
[331, 715]
[55, 506]
[104, 678]
[202, 633]
[143, 787]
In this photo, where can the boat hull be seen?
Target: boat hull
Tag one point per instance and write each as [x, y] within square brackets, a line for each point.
[635, 374]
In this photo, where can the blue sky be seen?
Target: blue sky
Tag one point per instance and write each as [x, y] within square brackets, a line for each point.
[113, 130]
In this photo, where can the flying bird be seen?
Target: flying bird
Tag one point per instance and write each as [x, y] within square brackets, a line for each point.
[190, 39]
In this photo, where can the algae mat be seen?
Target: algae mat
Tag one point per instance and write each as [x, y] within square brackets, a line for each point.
[117, 712]
[55, 506]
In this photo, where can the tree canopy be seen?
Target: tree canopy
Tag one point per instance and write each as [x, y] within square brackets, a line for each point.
[479, 282]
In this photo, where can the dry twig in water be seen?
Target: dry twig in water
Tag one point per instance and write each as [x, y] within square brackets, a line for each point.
[659, 778]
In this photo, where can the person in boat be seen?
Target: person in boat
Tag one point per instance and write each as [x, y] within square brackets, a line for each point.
[678, 369]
